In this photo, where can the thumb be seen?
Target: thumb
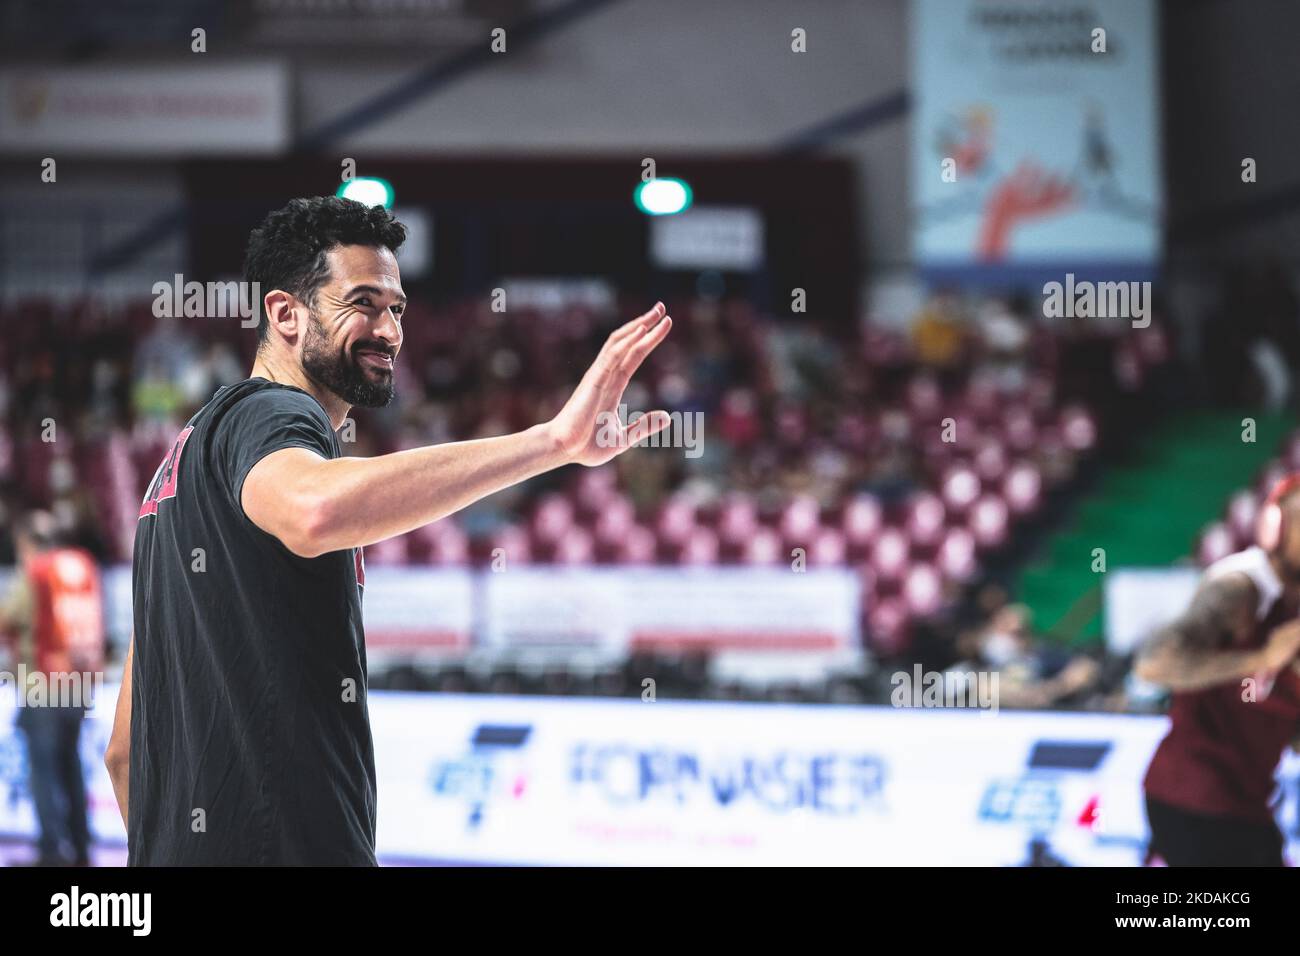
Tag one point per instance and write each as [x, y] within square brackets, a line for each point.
[651, 423]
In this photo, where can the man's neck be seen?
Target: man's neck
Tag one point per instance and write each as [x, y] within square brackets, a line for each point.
[291, 373]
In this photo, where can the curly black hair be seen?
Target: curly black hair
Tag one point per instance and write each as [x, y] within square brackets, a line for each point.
[287, 251]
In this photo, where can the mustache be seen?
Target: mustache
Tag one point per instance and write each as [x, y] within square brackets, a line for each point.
[379, 347]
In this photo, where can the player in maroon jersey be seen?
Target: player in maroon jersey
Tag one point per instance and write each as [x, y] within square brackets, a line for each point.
[1230, 663]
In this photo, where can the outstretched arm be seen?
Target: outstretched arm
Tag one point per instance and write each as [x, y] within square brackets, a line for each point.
[314, 505]
[1196, 650]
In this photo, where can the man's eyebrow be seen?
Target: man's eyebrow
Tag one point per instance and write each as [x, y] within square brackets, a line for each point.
[373, 290]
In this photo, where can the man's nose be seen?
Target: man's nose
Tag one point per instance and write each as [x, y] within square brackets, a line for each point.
[389, 330]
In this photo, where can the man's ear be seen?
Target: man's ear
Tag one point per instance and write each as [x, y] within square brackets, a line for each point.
[282, 314]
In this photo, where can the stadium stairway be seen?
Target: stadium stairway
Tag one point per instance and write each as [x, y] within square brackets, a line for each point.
[1145, 512]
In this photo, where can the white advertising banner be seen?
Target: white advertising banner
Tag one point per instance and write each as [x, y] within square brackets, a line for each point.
[672, 609]
[1139, 600]
[605, 609]
[708, 237]
[586, 781]
[418, 609]
[193, 110]
[406, 610]
[507, 780]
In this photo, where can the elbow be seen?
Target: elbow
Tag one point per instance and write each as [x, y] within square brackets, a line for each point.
[311, 532]
[1151, 670]
[117, 758]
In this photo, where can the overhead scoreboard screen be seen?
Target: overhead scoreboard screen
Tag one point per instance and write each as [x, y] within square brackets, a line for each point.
[1035, 137]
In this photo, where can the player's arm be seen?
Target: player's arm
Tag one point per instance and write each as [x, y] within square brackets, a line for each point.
[1196, 651]
[314, 505]
[117, 756]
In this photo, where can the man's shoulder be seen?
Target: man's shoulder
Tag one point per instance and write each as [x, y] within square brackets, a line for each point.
[1246, 575]
[253, 399]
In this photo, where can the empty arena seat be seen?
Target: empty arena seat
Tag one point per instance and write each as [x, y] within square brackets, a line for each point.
[959, 488]
[553, 517]
[763, 548]
[594, 489]
[575, 547]
[701, 547]
[887, 626]
[923, 590]
[1078, 428]
[828, 549]
[737, 518]
[989, 521]
[614, 519]
[890, 554]
[924, 521]
[450, 546]
[676, 521]
[800, 519]
[388, 551]
[510, 545]
[1023, 488]
[991, 459]
[956, 559]
[639, 546]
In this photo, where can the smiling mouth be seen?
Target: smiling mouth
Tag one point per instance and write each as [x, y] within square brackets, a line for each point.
[378, 360]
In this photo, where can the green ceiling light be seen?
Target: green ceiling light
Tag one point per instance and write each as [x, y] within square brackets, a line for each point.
[368, 190]
[663, 197]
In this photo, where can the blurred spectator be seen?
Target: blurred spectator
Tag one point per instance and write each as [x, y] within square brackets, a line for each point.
[1004, 340]
[1031, 674]
[169, 372]
[55, 613]
[939, 334]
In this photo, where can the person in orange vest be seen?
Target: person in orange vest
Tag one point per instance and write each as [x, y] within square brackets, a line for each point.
[55, 609]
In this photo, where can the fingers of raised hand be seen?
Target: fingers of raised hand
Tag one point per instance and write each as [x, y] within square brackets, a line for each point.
[649, 424]
[630, 330]
[644, 344]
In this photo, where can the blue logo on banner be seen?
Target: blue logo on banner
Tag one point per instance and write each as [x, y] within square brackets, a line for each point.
[471, 777]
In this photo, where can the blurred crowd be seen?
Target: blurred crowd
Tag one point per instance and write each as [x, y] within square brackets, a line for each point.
[816, 432]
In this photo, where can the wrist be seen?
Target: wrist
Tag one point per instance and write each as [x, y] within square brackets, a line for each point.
[550, 446]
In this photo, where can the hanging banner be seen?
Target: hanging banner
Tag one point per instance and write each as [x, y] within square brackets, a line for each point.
[1035, 136]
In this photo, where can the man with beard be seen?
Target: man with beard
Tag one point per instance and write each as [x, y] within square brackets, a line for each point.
[1229, 661]
[242, 734]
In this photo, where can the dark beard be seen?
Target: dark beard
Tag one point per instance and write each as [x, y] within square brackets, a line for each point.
[339, 373]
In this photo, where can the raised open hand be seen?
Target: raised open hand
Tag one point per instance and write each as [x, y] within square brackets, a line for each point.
[587, 428]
